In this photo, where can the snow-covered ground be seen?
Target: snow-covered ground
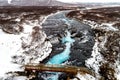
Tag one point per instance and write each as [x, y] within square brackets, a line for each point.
[11, 45]
[84, 77]
[97, 59]
[104, 26]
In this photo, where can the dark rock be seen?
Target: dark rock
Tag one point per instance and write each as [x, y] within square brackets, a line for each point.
[80, 50]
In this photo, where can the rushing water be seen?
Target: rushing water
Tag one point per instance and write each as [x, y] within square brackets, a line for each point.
[54, 26]
[63, 56]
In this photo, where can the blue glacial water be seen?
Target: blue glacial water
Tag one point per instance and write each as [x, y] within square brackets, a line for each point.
[63, 56]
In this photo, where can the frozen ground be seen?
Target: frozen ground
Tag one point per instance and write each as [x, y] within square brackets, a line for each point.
[33, 46]
[104, 21]
[9, 45]
[12, 51]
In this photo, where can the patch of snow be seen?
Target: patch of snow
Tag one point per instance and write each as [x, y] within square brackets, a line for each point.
[98, 15]
[18, 19]
[9, 1]
[108, 26]
[85, 38]
[103, 6]
[84, 77]
[45, 18]
[20, 78]
[117, 74]
[15, 78]
[103, 41]
[9, 45]
[93, 24]
[87, 8]
[104, 26]
[27, 28]
[94, 61]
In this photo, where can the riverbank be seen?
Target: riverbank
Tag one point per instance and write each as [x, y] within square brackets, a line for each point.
[105, 24]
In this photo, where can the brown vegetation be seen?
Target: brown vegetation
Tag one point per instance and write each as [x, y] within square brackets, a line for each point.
[111, 49]
[98, 15]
